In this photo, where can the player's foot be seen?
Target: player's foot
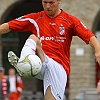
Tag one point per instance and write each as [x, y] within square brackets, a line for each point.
[13, 59]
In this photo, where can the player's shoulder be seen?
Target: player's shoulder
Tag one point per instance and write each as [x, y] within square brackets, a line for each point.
[41, 13]
[69, 16]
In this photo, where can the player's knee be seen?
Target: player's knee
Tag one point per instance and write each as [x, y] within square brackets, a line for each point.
[35, 38]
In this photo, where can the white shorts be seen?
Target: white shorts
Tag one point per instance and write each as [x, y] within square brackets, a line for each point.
[53, 75]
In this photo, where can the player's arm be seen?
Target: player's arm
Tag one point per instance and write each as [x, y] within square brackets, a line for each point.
[95, 44]
[4, 28]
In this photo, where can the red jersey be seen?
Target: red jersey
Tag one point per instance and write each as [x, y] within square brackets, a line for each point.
[55, 33]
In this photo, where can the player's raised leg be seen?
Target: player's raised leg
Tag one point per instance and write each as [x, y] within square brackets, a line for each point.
[31, 46]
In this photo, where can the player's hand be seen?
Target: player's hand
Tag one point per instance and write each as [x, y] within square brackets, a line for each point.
[97, 56]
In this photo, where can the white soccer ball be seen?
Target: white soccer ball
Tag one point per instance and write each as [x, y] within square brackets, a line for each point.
[29, 66]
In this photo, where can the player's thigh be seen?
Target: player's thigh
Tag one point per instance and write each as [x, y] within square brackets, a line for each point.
[48, 94]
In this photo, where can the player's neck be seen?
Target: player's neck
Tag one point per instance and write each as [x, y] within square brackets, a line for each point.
[56, 14]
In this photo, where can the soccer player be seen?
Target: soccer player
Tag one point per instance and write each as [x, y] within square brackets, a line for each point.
[52, 30]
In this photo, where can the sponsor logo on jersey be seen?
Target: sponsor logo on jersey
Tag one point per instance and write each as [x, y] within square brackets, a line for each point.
[55, 38]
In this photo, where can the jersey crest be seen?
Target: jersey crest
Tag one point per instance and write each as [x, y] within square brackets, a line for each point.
[61, 30]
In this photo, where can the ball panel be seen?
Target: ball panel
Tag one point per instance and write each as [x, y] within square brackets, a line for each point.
[24, 68]
[36, 64]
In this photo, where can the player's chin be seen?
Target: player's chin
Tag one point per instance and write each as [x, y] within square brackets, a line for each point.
[49, 12]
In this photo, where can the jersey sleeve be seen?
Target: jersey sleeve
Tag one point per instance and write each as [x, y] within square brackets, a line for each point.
[19, 25]
[24, 24]
[82, 31]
